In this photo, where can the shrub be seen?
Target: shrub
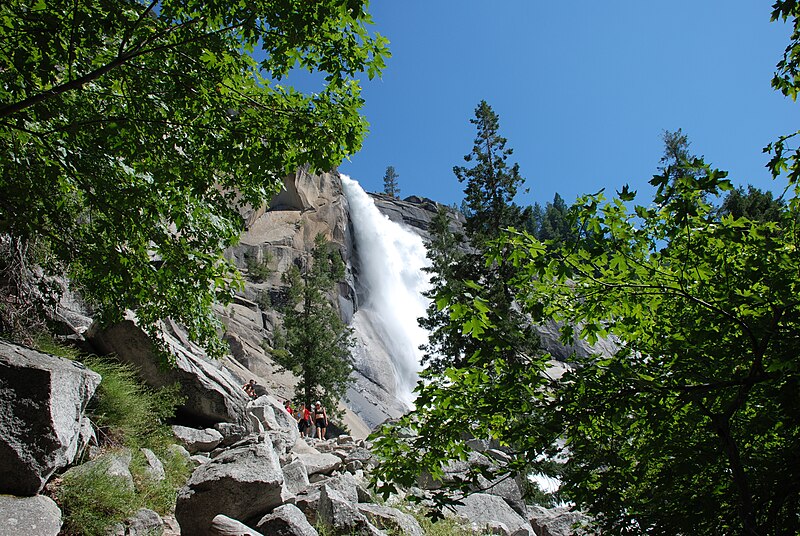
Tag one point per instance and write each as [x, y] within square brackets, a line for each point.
[92, 501]
[125, 411]
[258, 271]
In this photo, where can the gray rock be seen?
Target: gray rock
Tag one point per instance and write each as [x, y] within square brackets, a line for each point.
[345, 484]
[42, 425]
[155, 469]
[391, 519]
[199, 459]
[482, 510]
[308, 503]
[274, 417]
[144, 522]
[196, 440]
[231, 433]
[321, 463]
[223, 525]
[286, 520]
[243, 483]
[342, 517]
[295, 475]
[178, 450]
[212, 393]
[29, 516]
[115, 464]
[560, 521]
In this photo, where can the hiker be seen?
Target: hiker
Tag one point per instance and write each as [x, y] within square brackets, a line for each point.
[303, 420]
[250, 388]
[288, 407]
[320, 419]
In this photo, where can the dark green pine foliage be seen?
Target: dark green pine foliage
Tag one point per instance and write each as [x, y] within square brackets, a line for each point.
[552, 222]
[390, 186]
[315, 343]
[458, 267]
[446, 251]
[491, 184]
[753, 204]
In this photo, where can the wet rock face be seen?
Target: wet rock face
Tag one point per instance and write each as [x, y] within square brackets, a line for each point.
[42, 423]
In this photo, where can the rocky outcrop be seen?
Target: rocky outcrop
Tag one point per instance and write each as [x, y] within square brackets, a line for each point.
[42, 424]
[212, 393]
[196, 440]
[243, 483]
[31, 516]
[414, 212]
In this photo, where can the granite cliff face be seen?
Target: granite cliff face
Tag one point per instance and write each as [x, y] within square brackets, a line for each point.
[282, 233]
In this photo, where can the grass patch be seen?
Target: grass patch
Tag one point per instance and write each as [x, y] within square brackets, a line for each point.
[93, 500]
[128, 413]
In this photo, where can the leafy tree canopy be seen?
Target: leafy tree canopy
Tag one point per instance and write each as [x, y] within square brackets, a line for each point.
[131, 131]
[693, 425]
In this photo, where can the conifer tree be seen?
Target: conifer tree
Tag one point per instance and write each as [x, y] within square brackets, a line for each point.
[457, 267]
[491, 184]
[390, 186]
[314, 342]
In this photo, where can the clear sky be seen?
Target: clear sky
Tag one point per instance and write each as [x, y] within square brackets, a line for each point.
[584, 90]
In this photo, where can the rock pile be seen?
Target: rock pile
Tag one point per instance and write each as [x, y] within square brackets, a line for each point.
[275, 482]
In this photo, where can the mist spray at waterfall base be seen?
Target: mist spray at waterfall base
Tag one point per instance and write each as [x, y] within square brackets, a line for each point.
[391, 259]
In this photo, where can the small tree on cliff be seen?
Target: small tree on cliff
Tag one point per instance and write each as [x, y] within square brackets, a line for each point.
[315, 343]
[390, 186]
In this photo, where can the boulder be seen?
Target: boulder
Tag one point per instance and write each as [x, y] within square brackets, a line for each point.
[321, 463]
[144, 522]
[308, 503]
[559, 521]
[42, 423]
[197, 440]
[295, 475]
[212, 393]
[31, 516]
[341, 516]
[276, 421]
[231, 433]
[345, 484]
[223, 525]
[483, 510]
[286, 520]
[115, 464]
[391, 519]
[243, 483]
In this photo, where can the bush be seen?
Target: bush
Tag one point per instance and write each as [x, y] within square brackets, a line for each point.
[93, 500]
[258, 271]
[128, 413]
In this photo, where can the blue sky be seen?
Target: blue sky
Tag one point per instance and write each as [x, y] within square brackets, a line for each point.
[583, 89]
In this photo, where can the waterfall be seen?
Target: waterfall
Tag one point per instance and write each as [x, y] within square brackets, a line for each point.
[391, 259]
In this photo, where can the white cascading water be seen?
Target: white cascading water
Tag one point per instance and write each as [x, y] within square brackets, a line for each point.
[391, 260]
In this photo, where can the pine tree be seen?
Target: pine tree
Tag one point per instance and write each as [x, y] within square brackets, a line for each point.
[390, 186]
[457, 266]
[491, 183]
[314, 342]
